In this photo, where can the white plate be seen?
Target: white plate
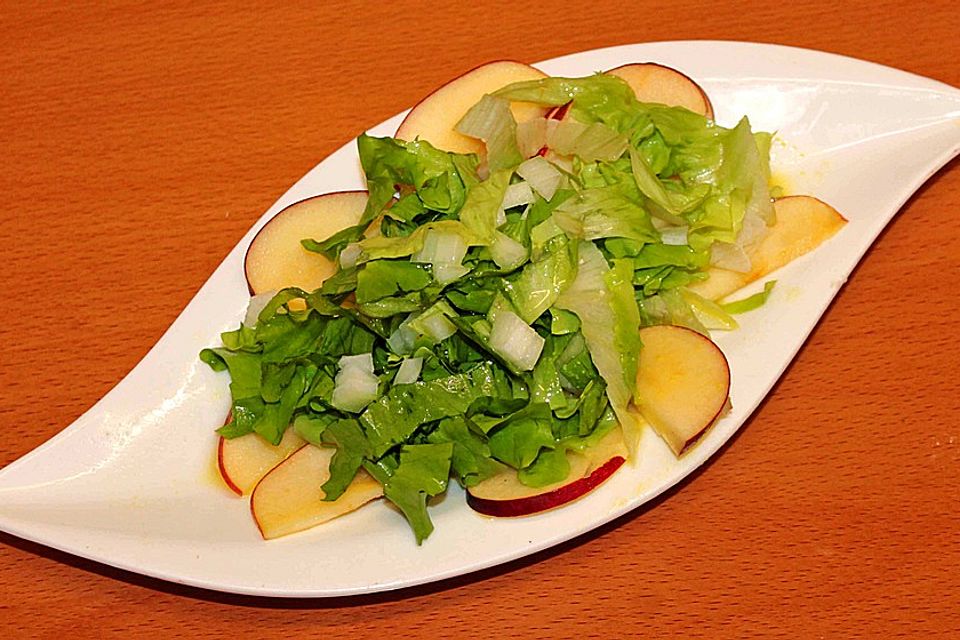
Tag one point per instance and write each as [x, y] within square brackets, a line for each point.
[131, 483]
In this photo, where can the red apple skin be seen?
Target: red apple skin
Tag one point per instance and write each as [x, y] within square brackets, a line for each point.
[223, 472]
[693, 439]
[556, 113]
[679, 444]
[545, 501]
[559, 113]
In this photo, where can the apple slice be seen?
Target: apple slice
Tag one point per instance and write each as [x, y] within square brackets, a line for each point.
[434, 118]
[289, 498]
[683, 383]
[656, 83]
[276, 259]
[803, 223]
[243, 461]
[504, 495]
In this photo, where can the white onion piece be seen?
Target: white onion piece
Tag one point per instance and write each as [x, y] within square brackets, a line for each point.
[517, 194]
[447, 273]
[434, 325]
[563, 137]
[752, 230]
[409, 371]
[349, 255]
[515, 341]
[507, 252]
[562, 163]
[441, 247]
[355, 385]
[531, 136]
[445, 252]
[542, 176]
[673, 235]
[402, 339]
[361, 361]
[729, 256]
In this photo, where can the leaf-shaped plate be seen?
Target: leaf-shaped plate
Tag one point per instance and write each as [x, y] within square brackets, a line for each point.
[128, 484]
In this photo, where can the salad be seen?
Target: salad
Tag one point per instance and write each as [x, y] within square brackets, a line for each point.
[507, 315]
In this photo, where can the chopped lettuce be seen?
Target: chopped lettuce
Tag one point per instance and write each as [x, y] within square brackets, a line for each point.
[603, 299]
[484, 316]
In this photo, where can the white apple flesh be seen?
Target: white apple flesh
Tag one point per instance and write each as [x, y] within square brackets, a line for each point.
[658, 84]
[504, 495]
[290, 498]
[435, 118]
[683, 383]
[802, 224]
[276, 259]
[243, 461]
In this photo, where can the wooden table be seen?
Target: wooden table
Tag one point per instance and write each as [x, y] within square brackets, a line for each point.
[140, 142]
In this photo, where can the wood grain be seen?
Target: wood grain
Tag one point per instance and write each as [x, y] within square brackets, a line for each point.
[140, 141]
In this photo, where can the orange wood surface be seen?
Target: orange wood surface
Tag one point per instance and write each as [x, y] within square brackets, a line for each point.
[141, 140]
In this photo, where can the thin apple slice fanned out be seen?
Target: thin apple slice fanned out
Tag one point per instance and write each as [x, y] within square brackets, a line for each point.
[290, 498]
[435, 117]
[683, 383]
[658, 84]
[504, 495]
[244, 460]
[803, 223]
[276, 259]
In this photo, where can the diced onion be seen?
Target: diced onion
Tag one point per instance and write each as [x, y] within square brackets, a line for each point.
[402, 339]
[483, 119]
[441, 247]
[517, 194]
[349, 255]
[433, 325]
[355, 385]
[447, 273]
[563, 163]
[729, 256]
[542, 176]
[590, 142]
[409, 371]
[563, 137]
[515, 341]
[531, 136]
[507, 252]
[492, 121]
[673, 235]
[600, 142]
[445, 251]
[752, 230]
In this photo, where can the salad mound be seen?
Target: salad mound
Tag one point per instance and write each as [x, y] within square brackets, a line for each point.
[484, 319]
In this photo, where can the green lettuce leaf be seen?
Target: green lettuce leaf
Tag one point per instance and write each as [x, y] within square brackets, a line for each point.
[750, 303]
[420, 472]
[384, 278]
[603, 300]
[540, 282]
[472, 461]
[492, 121]
[388, 162]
